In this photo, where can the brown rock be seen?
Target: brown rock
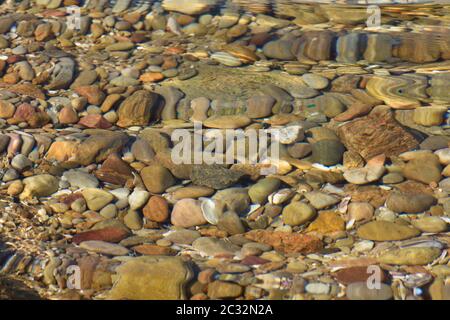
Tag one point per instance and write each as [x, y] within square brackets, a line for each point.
[187, 213]
[151, 77]
[136, 110]
[153, 249]
[157, 178]
[87, 266]
[95, 121]
[156, 209]
[327, 222]
[109, 234]
[286, 242]
[27, 89]
[378, 133]
[110, 101]
[357, 274]
[68, 115]
[223, 290]
[114, 170]
[96, 148]
[93, 94]
[27, 113]
[6, 109]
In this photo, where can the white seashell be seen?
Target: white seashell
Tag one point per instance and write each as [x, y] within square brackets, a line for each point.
[253, 208]
[280, 196]
[210, 211]
[290, 134]
[342, 207]
[350, 224]
[364, 245]
[321, 167]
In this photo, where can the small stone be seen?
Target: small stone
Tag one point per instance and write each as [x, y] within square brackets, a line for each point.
[327, 152]
[133, 220]
[360, 211]
[187, 213]
[279, 49]
[137, 109]
[315, 81]
[110, 234]
[68, 115]
[260, 106]
[286, 242]
[109, 211]
[156, 209]
[409, 202]
[425, 169]
[430, 224]
[15, 188]
[80, 179]
[318, 288]
[157, 178]
[321, 200]
[231, 223]
[360, 291]
[410, 256]
[39, 186]
[298, 213]
[226, 59]
[358, 274]
[104, 248]
[183, 236]
[138, 198]
[96, 199]
[20, 162]
[260, 191]
[328, 222]
[152, 278]
[152, 249]
[214, 176]
[7, 109]
[214, 246]
[224, 290]
[227, 122]
[93, 94]
[386, 231]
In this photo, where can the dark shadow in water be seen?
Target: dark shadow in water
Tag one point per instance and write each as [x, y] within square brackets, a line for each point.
[15, 289]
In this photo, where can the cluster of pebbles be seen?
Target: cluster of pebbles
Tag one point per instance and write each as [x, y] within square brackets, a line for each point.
[92, 205]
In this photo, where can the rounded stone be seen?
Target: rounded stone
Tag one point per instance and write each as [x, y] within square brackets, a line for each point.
[328, 152]
[187, 213]
[409, 203]
[297, 213]
[157, 178]
[156, 209]
[430, 224]
[315, 81]
[360, 291]
[262, 189]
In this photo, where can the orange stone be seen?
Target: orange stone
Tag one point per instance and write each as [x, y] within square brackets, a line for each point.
[11, 78]
[327, 222]
[110, 234]
[67, 115]
[156, 209]
[93, 94]
[286, 242]
[151, 77]
[95, 121]
[153, 249]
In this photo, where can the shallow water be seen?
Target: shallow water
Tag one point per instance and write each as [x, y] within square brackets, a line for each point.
[311, 66]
